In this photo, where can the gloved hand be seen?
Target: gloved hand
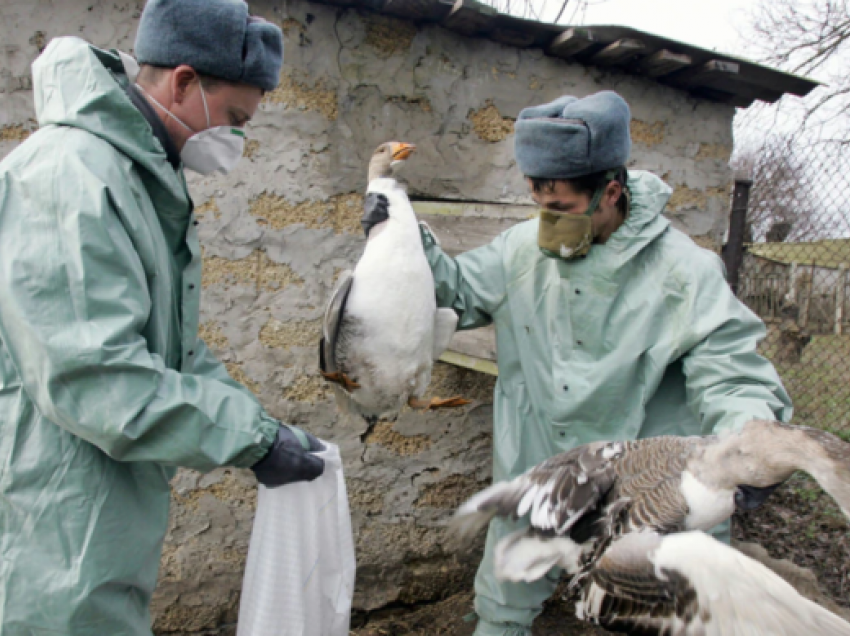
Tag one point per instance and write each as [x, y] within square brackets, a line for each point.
[375, 210]
[290, 459]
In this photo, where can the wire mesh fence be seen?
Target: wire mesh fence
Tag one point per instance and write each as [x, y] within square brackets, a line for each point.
[794, 263]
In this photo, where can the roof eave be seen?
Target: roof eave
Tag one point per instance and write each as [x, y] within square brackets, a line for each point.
[705, 74]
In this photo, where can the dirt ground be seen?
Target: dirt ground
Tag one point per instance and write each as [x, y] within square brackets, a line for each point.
[799, 523]
[447, 619]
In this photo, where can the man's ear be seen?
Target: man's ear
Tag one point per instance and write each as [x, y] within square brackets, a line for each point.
[613, 192]
[182, 79]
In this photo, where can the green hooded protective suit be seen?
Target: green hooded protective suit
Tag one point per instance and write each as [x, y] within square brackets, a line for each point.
[104, 385]
[643, 337]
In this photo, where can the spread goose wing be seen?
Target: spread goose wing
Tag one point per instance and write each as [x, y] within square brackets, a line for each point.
[554, 495]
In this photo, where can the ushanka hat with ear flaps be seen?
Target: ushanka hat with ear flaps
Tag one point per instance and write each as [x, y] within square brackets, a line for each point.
[214, 37]
[573, 137]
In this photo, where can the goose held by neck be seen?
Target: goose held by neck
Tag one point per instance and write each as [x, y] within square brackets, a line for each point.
[382, 330]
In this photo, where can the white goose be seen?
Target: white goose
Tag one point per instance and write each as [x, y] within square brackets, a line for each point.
[382, 329]
[580, 501]
[689, 584]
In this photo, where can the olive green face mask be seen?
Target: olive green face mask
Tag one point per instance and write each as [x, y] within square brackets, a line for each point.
[564, 235]
[568, 236]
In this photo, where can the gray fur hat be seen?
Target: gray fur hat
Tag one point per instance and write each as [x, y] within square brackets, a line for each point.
[573, 137]
[214, 37]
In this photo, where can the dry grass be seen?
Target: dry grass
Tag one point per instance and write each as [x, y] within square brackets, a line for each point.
[819, 384]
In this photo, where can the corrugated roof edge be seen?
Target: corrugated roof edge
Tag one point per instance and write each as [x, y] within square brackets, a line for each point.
[706, 74]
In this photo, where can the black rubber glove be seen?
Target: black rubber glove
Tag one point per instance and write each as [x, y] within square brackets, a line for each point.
[375, 210]
[289, 460]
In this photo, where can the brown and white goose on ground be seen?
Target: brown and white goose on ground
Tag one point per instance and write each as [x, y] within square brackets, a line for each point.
[594, 493]
[578, 502]
[689, 584]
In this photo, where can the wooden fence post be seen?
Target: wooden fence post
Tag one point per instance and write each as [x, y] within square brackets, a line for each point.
[733, 252]
[792, 279]
[839, 297]
[804, 308]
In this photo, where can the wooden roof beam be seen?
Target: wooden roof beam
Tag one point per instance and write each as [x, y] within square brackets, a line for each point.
[721, 81]
[713, 74]
[570, 43]
[664, 62]
[619, 52]
[470, 18]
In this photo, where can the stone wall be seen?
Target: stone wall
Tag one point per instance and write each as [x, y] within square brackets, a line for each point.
[277, 232]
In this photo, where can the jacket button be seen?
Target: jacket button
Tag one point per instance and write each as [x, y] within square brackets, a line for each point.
[562, 434]
[191, 287]
[191, 353]
[196, 222]
[566, 388]
[578, 291]
[579, 342]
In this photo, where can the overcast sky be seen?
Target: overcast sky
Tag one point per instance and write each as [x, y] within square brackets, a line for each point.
[710, 25]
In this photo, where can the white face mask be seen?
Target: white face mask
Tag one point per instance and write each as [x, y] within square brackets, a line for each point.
[216, 149]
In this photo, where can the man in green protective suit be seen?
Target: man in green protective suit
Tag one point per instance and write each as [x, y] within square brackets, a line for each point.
[610, 324]
[105, 387]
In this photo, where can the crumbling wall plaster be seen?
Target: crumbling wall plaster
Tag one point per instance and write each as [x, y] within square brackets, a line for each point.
[278, 231]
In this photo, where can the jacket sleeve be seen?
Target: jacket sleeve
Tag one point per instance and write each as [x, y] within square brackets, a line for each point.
[728, 382]
[73, 305]
[473, 284]
[208, 366]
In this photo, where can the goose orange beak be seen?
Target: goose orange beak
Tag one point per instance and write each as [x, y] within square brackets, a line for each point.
[402, 151]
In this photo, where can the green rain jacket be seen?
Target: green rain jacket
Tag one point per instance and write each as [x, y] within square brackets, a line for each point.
[641, 338]
[104, 385]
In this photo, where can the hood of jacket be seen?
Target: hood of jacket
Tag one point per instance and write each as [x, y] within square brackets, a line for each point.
[649, 196]
[78, 85]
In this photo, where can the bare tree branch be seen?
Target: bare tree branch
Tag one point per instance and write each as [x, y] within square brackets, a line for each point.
[534, 9]
[561, 12]
[798, 151]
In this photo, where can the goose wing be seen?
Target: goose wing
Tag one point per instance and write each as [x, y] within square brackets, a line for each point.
[689, 584]
[633, 485]
[554, 494]
[332, 323]
[576, 502]
[649, 478]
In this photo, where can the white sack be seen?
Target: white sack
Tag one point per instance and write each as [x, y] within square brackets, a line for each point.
[299, 577]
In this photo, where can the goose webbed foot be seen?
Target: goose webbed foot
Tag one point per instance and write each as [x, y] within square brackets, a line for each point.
[437, 403]
[343, 380]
